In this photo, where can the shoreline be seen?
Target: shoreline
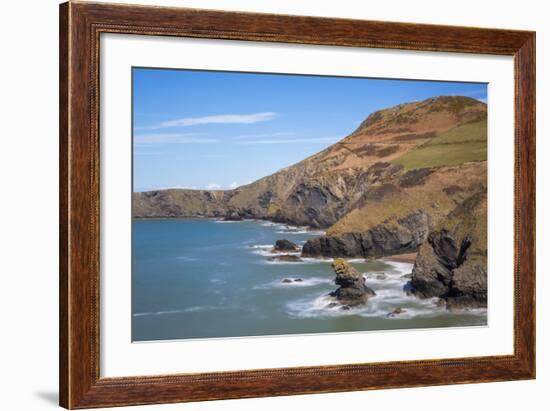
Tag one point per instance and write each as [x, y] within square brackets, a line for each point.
[244, 220]
[401, 258]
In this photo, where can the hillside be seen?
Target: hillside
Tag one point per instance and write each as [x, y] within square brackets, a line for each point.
[388, 155]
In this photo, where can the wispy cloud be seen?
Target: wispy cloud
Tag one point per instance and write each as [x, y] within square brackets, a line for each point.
[233, 185]
[265, 135]
[291, 141]
[217, 119]
[213, 186]
[172, 138]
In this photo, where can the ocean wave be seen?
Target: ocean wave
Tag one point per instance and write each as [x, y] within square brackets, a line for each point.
[169, 312]
[231, 221]
[303, 260]
[292, 231]
[380, 306]
[184, 258]
[305, 282]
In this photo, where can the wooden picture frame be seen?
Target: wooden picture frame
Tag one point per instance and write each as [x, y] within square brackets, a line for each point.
[80, 27]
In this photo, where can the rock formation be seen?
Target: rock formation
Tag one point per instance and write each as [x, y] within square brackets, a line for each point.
[404, 236]
[353, 289]
[285, 246]
[452, 263]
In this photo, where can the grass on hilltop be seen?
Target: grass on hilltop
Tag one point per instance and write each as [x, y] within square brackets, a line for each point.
[454, 147]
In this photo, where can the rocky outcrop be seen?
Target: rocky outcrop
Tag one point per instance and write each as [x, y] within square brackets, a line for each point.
[233, 217]
[452, 263]
[353, 290]
[403, 236]
[282, 246]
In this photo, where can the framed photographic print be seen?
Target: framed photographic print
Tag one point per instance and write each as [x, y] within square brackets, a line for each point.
[257, 205]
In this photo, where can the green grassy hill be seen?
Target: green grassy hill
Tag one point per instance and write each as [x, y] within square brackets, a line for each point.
[454, 147]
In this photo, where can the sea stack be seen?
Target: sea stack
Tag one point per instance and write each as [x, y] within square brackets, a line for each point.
[285, 246]
[353, 291]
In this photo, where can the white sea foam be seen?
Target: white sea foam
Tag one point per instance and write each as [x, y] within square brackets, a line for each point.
[390, 295]
[292, 231]
[303, 260]
[305, 282]
[184, 258]
[230, 222]
[169, 312]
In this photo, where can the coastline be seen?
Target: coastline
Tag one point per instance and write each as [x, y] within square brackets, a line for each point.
[401, 258]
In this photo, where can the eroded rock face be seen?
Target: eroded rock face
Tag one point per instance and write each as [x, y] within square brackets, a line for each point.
[404, 236]
[452, 263]
[353, 290]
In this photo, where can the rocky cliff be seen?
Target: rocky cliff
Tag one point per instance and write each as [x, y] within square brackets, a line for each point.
[452, 263]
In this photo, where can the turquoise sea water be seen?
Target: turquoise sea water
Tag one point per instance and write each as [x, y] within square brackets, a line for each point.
[206, 278]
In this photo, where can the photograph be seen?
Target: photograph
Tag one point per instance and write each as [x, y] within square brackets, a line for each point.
[269, 204]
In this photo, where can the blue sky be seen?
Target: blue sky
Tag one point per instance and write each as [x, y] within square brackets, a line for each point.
[218, 130]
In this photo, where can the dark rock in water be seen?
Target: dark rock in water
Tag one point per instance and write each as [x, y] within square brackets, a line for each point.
[409, 276]
[345, 308]
[353, 290]
[286, 257]
[233, 217]
[296, 280]
[452, 263]
[382, 276]
[404, 237]
[397, 311]
[444, 270]
[285, 245]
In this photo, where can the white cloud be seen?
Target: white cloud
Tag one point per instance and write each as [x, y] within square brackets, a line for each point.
[213, 186]
[174, 138]
[266, 135]
[292, 141]
[233, 185]
[217, 119]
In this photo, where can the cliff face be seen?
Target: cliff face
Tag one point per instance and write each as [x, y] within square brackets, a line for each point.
[452, 263]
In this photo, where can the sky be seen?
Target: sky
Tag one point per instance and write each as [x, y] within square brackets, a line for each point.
[219, 130]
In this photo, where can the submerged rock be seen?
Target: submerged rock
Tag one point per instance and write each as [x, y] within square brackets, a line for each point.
[353, 290]
[286, 257]
[397, 311]
[284, 246]
[289, 280]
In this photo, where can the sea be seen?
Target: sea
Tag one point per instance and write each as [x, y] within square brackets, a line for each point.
[202, 278]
